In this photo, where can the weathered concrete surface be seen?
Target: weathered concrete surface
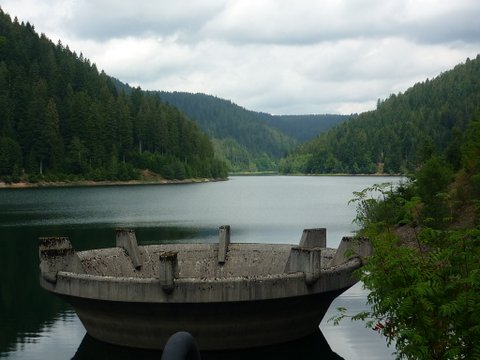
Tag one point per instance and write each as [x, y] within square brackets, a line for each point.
[194, 260]
[215, 326]
[127, 240]
[224, 241]
[351, 247]
[258, 294]
[57, 254]
[308, 261]
[168, 270]
[314, 238]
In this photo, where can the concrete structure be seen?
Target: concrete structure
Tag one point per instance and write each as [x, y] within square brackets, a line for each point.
[226, 295]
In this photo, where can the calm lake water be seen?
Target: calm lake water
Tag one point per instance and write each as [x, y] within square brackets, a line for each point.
[273, 209]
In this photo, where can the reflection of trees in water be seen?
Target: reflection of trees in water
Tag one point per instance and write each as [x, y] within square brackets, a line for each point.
[311, 347]
[24, 307]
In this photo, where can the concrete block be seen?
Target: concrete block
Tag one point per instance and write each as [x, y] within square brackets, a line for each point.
[308, 261]
[314, 238]
[127, 240]
[223, 242]
[57, 254]
[168, 270]
[351, 247]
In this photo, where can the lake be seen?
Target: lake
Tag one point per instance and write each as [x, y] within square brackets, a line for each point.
[269, 209]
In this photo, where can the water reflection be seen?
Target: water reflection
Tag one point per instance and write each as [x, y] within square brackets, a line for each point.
[311, 347]
[53, 340]
[350, 338]
[24, 308]
[261, 209]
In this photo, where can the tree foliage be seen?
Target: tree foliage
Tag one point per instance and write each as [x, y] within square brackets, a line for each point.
[243, 139]
[424, 275]
[249, 140]
[304, 127]
[60, 117]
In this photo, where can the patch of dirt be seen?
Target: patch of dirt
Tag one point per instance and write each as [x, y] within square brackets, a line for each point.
[465, 218]
[408, 235]
[149, 175]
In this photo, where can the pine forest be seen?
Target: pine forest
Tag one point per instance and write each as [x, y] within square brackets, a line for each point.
[62, 119]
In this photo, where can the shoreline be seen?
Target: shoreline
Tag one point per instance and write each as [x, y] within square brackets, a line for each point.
[88, 183]
[300, 174]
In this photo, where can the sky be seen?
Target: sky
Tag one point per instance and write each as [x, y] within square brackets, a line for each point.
[274, 56]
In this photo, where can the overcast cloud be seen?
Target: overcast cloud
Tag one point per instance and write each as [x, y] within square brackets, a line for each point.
[276, 56]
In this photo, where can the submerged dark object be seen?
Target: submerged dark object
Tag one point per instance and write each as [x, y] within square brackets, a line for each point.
[227, 295]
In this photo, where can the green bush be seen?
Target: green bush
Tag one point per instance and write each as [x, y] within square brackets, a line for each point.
[424, 288]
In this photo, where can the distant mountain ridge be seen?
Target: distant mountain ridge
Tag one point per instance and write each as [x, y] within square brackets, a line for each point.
[246, 139]
[305, 127]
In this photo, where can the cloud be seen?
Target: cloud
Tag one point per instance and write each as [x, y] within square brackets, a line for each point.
[276, 56]
[103, 20]
[280, 22]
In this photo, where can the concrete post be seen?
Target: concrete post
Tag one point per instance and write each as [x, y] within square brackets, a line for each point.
[127, 240]
[351, 247]
[314, 238]
[168, 270]
[57, 254]
[223, 242]
[308, 261]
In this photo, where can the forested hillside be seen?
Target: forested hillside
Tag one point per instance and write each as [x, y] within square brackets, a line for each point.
[431, 117]
[249, 140]
[304, 127]
[240, 136]
[61, 119]
[426, 259]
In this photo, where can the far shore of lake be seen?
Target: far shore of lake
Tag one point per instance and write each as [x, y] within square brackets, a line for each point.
[157, 181]
[78, 183]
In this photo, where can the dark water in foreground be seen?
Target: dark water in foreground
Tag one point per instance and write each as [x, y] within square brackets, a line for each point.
[36, 325]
